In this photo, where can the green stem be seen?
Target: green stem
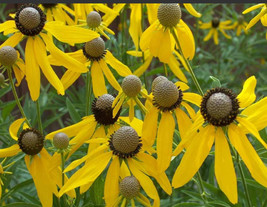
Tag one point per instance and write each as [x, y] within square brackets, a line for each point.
[243, 180]
[63, 180]
[202, 189]
[16, 96]
[88, 92]
[39, 116]
[187, 63]
[165, 70]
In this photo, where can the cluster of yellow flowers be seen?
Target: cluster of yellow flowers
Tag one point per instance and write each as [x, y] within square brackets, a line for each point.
[133, 151]
[216, 25]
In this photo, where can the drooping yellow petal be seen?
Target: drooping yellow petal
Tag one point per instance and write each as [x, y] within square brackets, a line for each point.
[41, 57]
[192, 98]
[164, 141]
[66, 61]
[121, 69]
[7, 25]
[83, 135]
[13, 40]
[87, 174]
[143, 200]
[73, 34]
[183, 86]
[10, 151]
[150, 126]
[44, 185]
[248, 154]
[19, 70]
[247, 95]
[209, 35]
[149, 163]
[32, 70]
[224, 168]
[139, 71]
[175, 68]
[124, 171]
[144, 181]
[189, 109]
[186, 39]
[100, 150]
[215, 37]
[69, 78]
[256, 18]
[160, 45]
[146, 36]
[110, 77]
[73, 129]
[98, 81]
[252, 8]
[184, 122]
[111, 189]
[191, 10]
[195, 154]
[55, 174]
[152, 12]
[118, 105]
[252, 129]
[14, 128]
[256, 113]
[224, 33]
[135, 29]
[264, 20]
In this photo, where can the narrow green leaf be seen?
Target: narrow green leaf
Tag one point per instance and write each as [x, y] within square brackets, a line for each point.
[72, 111]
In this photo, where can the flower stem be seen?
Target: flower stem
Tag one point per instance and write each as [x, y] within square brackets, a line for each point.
[16, 96]
[39, 116]
[187, 63]
[243, 180]
[202, 189]
[88, 92]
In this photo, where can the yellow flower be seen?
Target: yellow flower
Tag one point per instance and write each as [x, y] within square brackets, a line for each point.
[95, 55]
[124, 145]
[158, 39]
[215, 26]
[167, 101]
[3, 172]
[39, 42]
[9, 57]
[258, 16]
[130, 92]
[129, 190]
[240, 25]
[94, 22]
[173, 63]
[135, 29]
[58, 12]
[31, 142]
[82, 10]
[224, 115]
[100, 124]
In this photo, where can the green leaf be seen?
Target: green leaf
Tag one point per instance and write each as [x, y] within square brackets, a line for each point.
[72, 111]
[215, 82]
[7, 109]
